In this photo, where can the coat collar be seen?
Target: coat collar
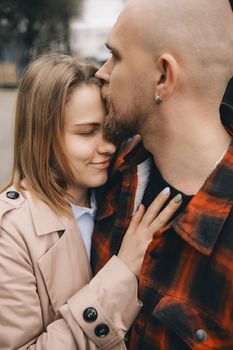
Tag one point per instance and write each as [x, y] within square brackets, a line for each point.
[44, 218]
[57, 256]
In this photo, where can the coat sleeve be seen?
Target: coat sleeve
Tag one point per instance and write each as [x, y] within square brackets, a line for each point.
[112, 293]
[114, 301]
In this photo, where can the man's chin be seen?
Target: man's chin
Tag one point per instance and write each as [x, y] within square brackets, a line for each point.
[105, 92]
[115, 130]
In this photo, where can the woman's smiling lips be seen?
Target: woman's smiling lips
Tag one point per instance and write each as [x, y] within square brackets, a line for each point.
[101, 165]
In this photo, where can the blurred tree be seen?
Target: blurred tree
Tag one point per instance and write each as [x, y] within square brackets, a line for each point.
[29, 27]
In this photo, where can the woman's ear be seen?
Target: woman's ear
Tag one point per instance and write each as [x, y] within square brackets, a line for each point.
[166, 83]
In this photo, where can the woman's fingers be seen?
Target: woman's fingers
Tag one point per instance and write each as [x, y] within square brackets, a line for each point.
[136, 219]
[155, 206]
[166, 214]
[140, 233]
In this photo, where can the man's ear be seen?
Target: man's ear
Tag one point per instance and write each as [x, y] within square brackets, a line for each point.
[168, 69]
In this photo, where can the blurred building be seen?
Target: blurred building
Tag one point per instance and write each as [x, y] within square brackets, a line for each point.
[89, 32]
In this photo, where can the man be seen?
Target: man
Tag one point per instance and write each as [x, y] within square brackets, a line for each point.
[170, 64]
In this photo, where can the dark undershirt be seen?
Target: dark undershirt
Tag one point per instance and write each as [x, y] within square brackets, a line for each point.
[156, 184]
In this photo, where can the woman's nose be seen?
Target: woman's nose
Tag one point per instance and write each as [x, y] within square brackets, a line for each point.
[107, 147]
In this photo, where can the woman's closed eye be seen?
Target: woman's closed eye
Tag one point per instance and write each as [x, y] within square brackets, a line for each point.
[88, 132]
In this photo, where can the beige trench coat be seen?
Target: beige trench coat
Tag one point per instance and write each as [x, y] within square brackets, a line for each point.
[46, 284]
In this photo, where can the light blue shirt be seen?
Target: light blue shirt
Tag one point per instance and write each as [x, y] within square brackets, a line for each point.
[85, 219]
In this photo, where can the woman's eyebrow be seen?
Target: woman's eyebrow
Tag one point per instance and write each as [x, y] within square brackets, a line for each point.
[86, 124]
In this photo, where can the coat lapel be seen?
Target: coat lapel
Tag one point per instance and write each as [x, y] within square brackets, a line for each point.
[65, 266]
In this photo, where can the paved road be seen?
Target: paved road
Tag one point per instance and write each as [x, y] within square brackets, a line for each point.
[7, 109]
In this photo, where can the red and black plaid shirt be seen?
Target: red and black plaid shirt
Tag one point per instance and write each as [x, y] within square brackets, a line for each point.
[186, 282]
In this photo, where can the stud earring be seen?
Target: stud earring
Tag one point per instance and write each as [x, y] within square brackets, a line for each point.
[158, 99]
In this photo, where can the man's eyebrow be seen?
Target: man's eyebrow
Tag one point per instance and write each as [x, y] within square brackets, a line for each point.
[108, 46]
[111, 48]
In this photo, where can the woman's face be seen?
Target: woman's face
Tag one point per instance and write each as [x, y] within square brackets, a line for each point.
[88, 153]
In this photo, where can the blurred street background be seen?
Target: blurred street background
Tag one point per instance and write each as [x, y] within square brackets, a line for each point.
[29, 28]
[7, 104]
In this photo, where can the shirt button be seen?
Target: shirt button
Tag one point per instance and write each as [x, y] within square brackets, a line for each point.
[101, 330]
[12, 194]
[201, 335]
[90, 314]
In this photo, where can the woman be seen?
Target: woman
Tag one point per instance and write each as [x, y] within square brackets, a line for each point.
[48, 298]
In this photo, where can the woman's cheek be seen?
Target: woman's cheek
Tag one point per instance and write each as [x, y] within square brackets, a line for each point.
[83, 148]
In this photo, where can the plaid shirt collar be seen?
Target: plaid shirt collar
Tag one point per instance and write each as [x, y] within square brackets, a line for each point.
[130, 154]
[193, 224]
[201, 235]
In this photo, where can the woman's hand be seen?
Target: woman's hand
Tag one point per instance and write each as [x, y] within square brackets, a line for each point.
[142, 228]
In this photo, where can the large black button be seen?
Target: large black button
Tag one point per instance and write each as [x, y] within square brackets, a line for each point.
[201, 335]
[101, 330]
[90, 314]
[12, 194]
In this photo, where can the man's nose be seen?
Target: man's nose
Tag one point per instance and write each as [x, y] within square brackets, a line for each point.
[103, 73]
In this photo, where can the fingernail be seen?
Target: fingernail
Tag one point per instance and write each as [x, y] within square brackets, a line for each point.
[178, 198]
[166, 191]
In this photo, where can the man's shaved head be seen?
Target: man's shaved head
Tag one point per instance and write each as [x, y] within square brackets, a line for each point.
[178, 50]
[199, 33]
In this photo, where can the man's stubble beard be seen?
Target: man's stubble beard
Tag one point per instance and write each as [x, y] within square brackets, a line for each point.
[117, 129]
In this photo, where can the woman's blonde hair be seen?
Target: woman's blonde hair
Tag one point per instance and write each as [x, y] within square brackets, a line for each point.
[39, 159]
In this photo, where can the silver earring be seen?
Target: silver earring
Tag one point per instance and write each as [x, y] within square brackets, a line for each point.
[158, 99]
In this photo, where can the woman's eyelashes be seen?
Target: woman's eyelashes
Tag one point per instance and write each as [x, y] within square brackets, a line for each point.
[88, 132]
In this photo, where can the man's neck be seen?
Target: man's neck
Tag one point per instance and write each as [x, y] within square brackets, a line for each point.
[187, 150]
